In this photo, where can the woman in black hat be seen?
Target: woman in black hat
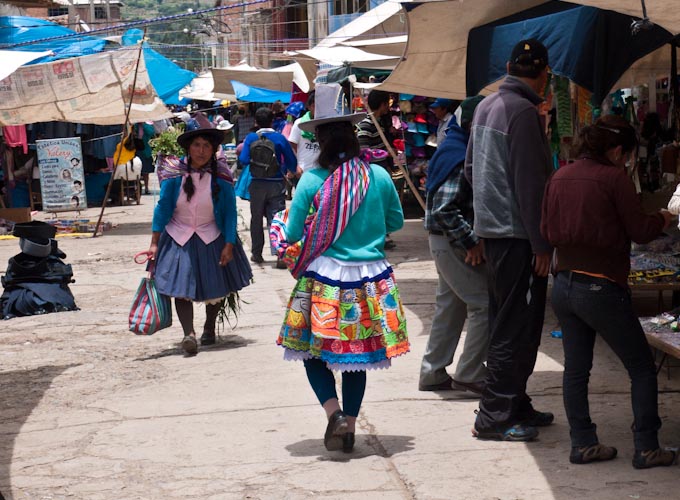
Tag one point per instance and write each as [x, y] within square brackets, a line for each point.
[197, 252]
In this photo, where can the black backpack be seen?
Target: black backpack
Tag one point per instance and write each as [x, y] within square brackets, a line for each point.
[263, 162]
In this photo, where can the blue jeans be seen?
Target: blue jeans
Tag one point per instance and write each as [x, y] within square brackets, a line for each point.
[586, 306]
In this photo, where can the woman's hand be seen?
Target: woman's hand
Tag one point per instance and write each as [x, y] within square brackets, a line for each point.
[227, 254]
[153, 250]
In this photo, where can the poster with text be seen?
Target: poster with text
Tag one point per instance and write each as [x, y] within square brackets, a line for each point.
[62, 177]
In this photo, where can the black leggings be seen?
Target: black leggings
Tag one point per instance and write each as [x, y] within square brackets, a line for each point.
[185, 313]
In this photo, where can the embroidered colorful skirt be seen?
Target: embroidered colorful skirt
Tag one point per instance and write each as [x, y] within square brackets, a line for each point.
[348, 314]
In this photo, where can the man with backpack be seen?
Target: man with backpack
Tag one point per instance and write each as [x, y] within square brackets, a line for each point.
[270, 156]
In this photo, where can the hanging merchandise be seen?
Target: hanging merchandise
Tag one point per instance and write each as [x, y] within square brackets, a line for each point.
[565, 125]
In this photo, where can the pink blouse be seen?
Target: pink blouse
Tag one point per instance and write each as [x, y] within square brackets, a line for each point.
[195, 216]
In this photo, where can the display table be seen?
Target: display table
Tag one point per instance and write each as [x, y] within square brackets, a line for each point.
[660, 288]
[661, 336]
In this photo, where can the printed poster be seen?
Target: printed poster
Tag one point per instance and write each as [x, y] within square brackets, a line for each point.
[62, 176]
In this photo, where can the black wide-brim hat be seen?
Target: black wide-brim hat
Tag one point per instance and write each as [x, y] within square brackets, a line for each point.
[215, 136]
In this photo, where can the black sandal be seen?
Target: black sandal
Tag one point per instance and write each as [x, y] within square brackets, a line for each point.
[208, 338]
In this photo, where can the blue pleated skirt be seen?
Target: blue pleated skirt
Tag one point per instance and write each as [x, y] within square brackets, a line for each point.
[193, 271]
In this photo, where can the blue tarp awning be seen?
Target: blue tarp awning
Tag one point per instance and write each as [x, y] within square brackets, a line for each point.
[19, 29]
[247, 93]
[590, 46]
[166, 77]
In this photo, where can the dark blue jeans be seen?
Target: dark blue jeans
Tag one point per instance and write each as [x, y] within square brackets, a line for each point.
[588, 306]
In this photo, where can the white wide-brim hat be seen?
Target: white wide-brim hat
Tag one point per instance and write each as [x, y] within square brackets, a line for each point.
[329, 107]
[225, 125]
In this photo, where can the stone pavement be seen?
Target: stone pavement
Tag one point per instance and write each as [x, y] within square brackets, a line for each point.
[90, 411]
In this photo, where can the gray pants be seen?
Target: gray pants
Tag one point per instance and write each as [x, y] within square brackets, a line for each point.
[461, 293]
[266, 198]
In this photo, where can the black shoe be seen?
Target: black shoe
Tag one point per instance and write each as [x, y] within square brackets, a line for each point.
[189, 344]
[281, 264]
[538, 419]
[257, 259]
[446, 385]
[517, 432]
[389, 244]
[348, 442]
[208, 338]
[654, 458]
[594, 453]
[476, 387]
[335, 431]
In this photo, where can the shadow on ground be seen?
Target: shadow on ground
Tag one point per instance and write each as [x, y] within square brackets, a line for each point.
[366, 445]
[20, 393]
[223, 344]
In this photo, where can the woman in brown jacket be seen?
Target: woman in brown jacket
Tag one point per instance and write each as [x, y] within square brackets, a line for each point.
[590, 215]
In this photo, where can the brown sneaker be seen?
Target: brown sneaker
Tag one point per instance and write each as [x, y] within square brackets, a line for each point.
[654, 458]
[593, 453]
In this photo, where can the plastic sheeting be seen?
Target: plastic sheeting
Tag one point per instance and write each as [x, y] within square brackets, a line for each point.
[435, 60]
[19, 29]
[247, 93]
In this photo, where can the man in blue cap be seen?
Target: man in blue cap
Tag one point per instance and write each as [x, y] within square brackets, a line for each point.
[442, 110]
[458, 254]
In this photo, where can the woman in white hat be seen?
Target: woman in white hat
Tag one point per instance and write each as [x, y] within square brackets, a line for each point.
[345, 313]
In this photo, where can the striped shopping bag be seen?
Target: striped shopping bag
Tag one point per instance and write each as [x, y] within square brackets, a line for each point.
[150, 311]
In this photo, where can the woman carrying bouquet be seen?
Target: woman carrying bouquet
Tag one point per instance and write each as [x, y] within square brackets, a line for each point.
[197, 252]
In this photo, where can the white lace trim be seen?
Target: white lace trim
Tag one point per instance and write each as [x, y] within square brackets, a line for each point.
[291, 355]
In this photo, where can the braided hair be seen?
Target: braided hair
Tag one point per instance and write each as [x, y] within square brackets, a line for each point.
[189, 187]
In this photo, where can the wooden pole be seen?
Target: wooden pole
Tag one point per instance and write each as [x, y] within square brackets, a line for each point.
[125, 126]
[396, 159]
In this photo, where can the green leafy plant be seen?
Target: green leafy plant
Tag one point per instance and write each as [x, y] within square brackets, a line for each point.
[166, 142]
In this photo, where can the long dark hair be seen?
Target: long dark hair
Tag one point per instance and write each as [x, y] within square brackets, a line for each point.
[189, 187]
[606, 133]
[337, 143]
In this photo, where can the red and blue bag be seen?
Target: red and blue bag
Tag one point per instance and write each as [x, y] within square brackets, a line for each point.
[150, 311]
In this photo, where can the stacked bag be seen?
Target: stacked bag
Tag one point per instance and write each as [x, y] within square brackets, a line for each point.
[37, 279]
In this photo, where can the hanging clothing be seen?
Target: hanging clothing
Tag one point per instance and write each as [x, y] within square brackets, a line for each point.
[15, 136]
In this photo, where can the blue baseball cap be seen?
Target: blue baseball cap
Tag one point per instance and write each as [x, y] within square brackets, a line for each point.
[440, 102]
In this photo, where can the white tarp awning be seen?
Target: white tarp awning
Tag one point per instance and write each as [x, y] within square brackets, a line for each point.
[11, 60]
[389, 46]
[651, 67]
[383, 20]
[280, 79]
[201, 88]
[340, 55]
[90, 89]
[435, 58]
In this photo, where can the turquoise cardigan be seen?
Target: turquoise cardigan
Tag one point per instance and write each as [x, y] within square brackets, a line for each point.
[224, 207]
[364, 237]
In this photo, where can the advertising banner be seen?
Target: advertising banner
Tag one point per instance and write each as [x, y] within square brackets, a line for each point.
[62, 177]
